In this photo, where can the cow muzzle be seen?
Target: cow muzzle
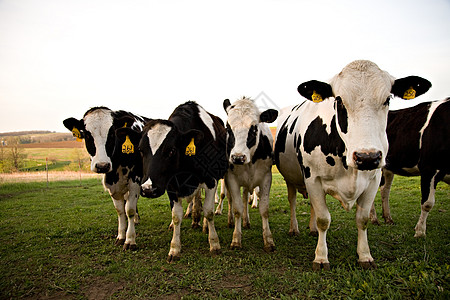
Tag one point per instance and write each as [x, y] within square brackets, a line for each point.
[238, 159]
[102, 167]
[151, 192]
[367, 160]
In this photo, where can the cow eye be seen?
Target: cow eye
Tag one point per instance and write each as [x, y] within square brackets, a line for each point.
[387, 101]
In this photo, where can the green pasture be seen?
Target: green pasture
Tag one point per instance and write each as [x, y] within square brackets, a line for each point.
[58, 243]
[58, 159]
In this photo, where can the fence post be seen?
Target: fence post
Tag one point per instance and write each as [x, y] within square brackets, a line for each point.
[79, 167]
[46, 168]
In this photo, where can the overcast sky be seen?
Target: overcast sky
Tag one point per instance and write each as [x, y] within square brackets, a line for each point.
[58, 58]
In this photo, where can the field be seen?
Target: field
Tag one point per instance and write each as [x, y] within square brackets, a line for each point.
[58, 243]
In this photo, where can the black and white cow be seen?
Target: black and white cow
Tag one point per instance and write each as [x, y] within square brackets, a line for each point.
[338, 145]
[418, 146]
[250, 154]
[118, 158]
[181, 155]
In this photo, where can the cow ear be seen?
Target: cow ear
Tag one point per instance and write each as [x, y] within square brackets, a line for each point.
[125, 121]
[128, 139]
[189, 139]
[410, 87]
[315, 90]
[76, 127]
[226, 104]
[268, 116]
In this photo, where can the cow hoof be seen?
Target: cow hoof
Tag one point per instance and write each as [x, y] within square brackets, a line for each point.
[246, 226]
[230, 225]
[119, 242]
[314, 233]
[173, 258]
[235, 247]
[321, 266]
[293, 232]
[218, 213]
[195, 226]
[375, 222]
[269, 248]
[131, 247]
[389, 221]
[216, 252]
[367, 265]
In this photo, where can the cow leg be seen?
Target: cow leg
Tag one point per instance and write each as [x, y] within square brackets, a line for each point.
[208, 212]
[246, 217]
[119, 204]
[385, 191]
[363, 206]
[269, 245]
[238, 208]
[230, 211]
[255, 196]
[292, 197]
[219, 208]
[312, 223]
[196, 209]
[428, 184]
[175, 244]
[130, 208]
[323, 220]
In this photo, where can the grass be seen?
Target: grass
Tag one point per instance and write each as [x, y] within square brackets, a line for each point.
[59, 159]
[58, 243]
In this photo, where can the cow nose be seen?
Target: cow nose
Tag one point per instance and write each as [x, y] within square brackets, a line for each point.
[150, 192]
[367, 160]
[103, 167]
[238, 159]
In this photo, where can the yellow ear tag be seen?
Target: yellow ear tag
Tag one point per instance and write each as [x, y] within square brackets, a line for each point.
[125, 125]
[190, 149]
[409, 94]
[127, 146]
[316, 98]
[76, 133]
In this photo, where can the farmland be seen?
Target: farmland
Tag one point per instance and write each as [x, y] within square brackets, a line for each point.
[58, 243]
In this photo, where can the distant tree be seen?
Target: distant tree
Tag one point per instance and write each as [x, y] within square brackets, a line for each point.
[16, 154]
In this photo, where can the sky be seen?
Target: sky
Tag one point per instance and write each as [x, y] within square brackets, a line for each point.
[58, 58]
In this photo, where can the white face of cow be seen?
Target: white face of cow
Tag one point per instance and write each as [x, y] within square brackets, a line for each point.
[362, 93]
[242, 130]
[100, 139]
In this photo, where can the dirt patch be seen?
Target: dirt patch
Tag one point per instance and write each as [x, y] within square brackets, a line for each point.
[98, 288]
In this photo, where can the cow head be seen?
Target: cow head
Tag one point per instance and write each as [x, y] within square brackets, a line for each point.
[164, 149]
[98, 128]
[361, 94]
[243, 128]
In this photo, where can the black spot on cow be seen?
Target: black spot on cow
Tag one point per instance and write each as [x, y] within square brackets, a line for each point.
[293, 125]
[342, 114]
[280, 143]
[307, 172]
[264, 149]
[316, 135]
[251, 136]
[330, 161]
[230, 140]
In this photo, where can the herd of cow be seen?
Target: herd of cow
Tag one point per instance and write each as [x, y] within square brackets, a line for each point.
[333, 142]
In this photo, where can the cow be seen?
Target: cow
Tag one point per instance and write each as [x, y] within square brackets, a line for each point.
[335, 143]
[181, 155]
[252, 199]
[250, 156]
[418, 146]
[117, 158]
